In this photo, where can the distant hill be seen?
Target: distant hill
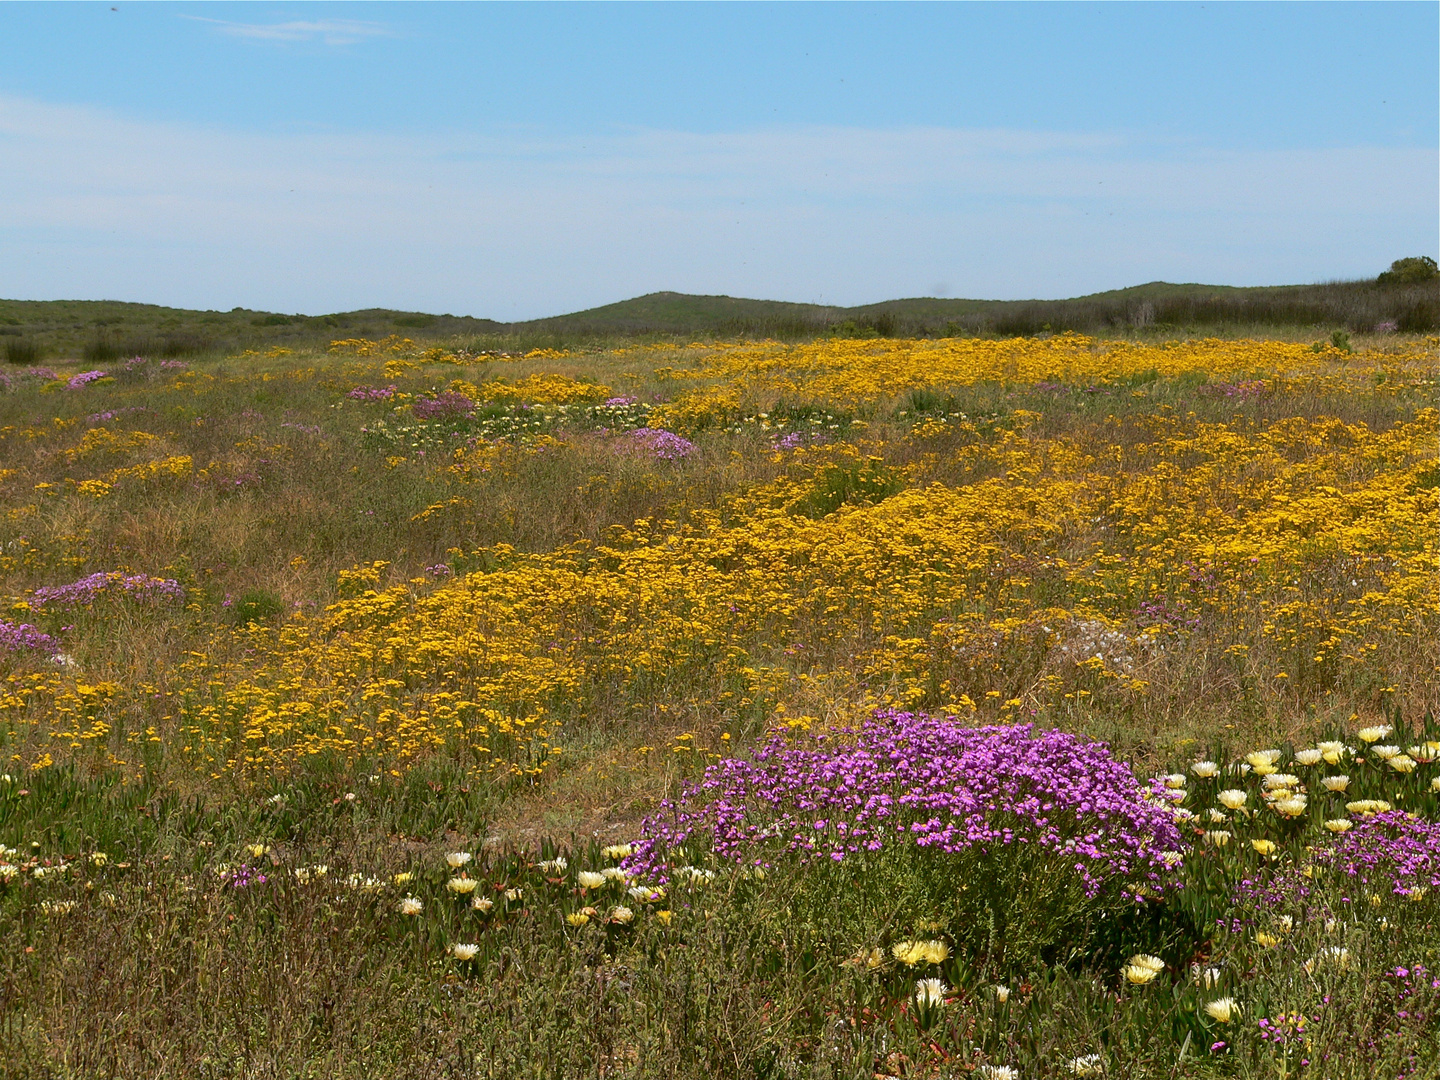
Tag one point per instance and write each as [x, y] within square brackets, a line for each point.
[102, 330]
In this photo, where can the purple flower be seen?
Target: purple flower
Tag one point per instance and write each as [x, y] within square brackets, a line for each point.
[85, 378]
[372, 393]
[448, 405]
[88, 589]
[17, 636]
[663, 444]
[623, 400]
[931, 783]
[1392, 850]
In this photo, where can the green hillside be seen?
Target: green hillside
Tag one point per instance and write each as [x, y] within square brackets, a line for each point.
[100, 331]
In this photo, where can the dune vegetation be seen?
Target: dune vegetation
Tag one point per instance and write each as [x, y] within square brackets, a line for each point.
[860, 706]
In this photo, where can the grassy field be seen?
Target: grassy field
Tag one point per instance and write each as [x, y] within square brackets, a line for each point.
[958, 706]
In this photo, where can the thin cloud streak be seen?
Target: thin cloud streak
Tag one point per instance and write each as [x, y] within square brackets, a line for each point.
[527, 225]
[329, 31]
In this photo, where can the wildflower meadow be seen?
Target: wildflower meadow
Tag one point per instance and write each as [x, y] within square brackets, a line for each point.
[1003, 708]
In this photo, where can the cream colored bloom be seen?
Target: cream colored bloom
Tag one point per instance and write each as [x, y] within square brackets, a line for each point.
[1424, 752]
[1219, 817]
[1263, 847]
[1174, 780]
[930, 993]
[1232, 798]
[1338, 825]
[1308, 757]
[1086, 1065]
[1222, 1009]
[514, 894]
[1291, 807]
[998, 1072]
[1206, 977]
[464, 952]
[1435, 784]
[1258, 758]
[462, 886]
[556, 865]
[1336, 783]
[1374, 734]
[1280, 780]
[403, 878]
[1218, 837]
[1331, 747]
[1402, 763]
[621, 914]
[1139, 976]
[1154, 963]
[1336, 954]
[257, 851]
[614, 873]
[1385, 753]
[1205, 769]
[1002, 993]
[482, 904]
[1366, 807]
[617, 851]
[457, 859]
[411, 905]
[645, 894]
[588, 879]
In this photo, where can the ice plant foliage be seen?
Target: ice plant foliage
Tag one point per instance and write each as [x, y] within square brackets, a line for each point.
[910, 780]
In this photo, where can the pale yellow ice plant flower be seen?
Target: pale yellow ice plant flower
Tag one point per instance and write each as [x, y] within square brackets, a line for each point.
[1263, 847]
[998, 1072]
[930, 993]
[1291, 807]
[588, 879]
[617, 851]
[462, 886]
[1402, 763]
[1206, 977]
[464, 952]
[1174, 780]
[1385, 753]
[577, 918]
[1435, 784]
[1218, 837]
[411, 905]
[1002, 993]
[1222, 1009]
[1367, 807]
[1424, 753]
[1137, 975]
[514, 894]
[556, 865]
[1232, 798]
[1205, 769]
[621, 914]
[403, 878]
[1338, 825]
[1336, 783]
[457, 859]
[482, 904]
[1374, 734]
[1280, 780]
[1308, 757]
[1219, 817]
[1086, 1065]
[257, 850]
[1266, 940]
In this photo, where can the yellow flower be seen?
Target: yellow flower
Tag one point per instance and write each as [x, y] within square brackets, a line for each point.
[403, 878]
[464, 952]
[1308, 757]
[1338, 825]
[667, 915]
[1266, 939]
[257, 850]
[1385, 753]
[1138, 976]
[411, 905]
[462, 886]
[1232, 798]
[930, 993]
[1374, 734]
[588, 879]
[1222, 1009]
[1262, 758]
[457, 859]
[621, 914]
[482, 904]
[1218, 837]
[1263, 847]
[1367, 807]
[577, 918]
[1002, 993]
[1086, 1065]
[1336, 783]
[616, 852]
[514, 894]
[1205, 769]
[1291, 807]
[1402, 764]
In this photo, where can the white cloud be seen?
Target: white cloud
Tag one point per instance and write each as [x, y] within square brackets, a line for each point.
[525, 225]
[329, 31]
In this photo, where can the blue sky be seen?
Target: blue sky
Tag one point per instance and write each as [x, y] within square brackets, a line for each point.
[520, 160]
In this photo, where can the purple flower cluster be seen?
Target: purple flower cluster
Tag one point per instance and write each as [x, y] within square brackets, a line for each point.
[907, 779]
[1242, 390]
[625, 399]
[243, 876]
[17, 636]
[85, 378]
[174, 365]
[1163, 611]
[85, 591]
[1394, 850]
[448, 405]
[663, 444]
[110, 414]
[372, 393]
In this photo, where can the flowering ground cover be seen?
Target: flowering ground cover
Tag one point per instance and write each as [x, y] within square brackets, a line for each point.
[957, 707]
